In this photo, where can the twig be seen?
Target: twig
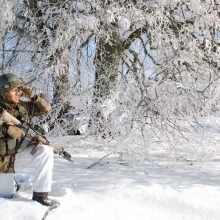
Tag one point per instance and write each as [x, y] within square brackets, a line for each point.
[98, 162]
[49, 211]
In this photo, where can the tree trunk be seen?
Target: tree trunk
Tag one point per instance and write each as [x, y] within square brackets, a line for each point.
[60, 79]
[107, 59]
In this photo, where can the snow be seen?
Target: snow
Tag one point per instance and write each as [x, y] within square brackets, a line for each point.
[112, 191]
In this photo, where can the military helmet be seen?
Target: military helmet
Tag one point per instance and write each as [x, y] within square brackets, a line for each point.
[9, 80]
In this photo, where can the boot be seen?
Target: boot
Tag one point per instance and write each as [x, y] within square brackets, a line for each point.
[42, 198]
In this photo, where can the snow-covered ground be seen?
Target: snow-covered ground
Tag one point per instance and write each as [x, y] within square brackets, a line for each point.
[113, 191]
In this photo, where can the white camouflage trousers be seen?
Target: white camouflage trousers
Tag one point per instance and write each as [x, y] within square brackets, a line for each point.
[41, 164]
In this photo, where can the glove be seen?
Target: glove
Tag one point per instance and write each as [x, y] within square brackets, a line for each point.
[13, 131]
[28, 91]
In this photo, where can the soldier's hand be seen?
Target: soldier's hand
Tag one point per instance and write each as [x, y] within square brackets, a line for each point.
[15, 132]
[28, 91]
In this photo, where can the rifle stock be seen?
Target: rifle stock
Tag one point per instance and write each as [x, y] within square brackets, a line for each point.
[5, 117]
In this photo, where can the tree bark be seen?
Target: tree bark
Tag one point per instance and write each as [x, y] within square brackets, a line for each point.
[61, 78]
[107, 60]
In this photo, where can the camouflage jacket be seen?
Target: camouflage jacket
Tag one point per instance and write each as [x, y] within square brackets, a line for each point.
[24, 111]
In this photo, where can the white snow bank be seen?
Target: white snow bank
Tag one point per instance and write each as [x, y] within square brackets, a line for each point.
[116, 192]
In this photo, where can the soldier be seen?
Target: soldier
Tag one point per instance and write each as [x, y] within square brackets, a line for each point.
[11, 88]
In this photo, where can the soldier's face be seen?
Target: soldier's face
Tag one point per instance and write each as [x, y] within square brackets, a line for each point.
[13, 96]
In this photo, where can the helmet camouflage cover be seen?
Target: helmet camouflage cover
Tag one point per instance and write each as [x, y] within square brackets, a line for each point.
[9, 80]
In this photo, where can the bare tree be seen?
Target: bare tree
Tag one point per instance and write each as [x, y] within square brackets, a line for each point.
[141, 61]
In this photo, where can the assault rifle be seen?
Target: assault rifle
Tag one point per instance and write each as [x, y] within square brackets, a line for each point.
[31, 133]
